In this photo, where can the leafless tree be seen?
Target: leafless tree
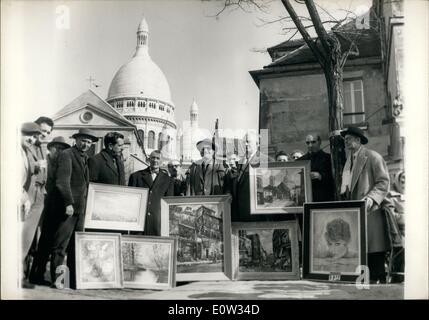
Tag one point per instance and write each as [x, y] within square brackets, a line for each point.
[328, 51]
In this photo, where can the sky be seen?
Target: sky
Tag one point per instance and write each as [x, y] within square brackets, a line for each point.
[46, 66]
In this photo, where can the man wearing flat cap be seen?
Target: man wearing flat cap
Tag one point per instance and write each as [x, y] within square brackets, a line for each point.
[50, 213]
[204, 177]
[365, 177]
[70, 194]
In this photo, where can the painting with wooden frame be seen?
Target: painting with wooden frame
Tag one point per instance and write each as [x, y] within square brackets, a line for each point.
[334, 241]
[111, 207]
[280, 187]
[98, 260]
[149, 262]
[265, 250]
[202, 226]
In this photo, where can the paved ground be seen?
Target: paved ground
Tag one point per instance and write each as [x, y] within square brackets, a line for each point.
[231, 290]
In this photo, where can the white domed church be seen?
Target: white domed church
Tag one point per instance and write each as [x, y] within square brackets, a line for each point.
[140, 92]
[138, 105]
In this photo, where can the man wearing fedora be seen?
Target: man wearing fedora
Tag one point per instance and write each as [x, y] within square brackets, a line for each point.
[107, 166]
[204, 177]
[366, 177]
[50, 213]
[71, 189]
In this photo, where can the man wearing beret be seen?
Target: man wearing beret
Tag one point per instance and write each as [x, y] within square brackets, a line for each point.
[365, 177]
[70, 194]
[159, 184]
[50, 212]
[204, 177]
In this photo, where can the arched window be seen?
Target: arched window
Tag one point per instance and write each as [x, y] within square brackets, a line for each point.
[151, 140]
[140, 132]
[161, 108]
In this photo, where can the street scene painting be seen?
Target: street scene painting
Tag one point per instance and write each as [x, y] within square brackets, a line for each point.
[112, 207]
[203, 247]
[266, 250]
[280, 187]
[148, 262]
[98, 263]
[336, 239]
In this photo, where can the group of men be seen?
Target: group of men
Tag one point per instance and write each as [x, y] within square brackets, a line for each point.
[65, 178]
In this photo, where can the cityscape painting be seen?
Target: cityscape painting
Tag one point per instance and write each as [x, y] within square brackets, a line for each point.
[199, 224]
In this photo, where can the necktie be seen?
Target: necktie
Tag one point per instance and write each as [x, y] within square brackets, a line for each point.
[351, 162]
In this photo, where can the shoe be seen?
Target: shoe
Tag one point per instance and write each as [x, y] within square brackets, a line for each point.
[27, 285]
[40, 282]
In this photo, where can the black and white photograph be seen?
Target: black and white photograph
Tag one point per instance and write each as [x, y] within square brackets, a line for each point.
[214, 149]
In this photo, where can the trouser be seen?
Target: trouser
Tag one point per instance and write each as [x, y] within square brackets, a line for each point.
[29, 225]
[52, 218]
[63, 244]
[376, 266]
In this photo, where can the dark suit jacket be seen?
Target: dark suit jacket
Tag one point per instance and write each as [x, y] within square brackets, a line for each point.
[323, 190]
[102, 169]
[161, 187]
[72, 180]
[208, 182]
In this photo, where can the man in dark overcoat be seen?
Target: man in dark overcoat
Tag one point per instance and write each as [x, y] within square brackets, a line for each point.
[207, 175]
[50, 213]
[107, 166]
[71, 192]
[322, 181]
[159, 184]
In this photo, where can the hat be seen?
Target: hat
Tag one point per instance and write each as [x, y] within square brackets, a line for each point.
[206, 143]
[30, 128]
[174, 162]
[58, 140]
[84, 132]
[357, 132]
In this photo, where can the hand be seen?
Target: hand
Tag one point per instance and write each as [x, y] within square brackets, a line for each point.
[27, 207]
[315, 175]
[69, 210]
[369, 202]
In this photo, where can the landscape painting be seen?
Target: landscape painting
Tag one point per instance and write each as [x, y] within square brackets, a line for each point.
[112, 207]
[148, 262]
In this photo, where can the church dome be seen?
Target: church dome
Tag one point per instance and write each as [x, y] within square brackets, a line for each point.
[140, 77]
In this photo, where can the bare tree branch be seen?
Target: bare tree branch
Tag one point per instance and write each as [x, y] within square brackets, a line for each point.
[318, 26]
[320, 56]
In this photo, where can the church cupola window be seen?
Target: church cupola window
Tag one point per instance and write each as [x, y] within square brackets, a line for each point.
[152, 105]
[161, 108]
[130, 103]
[120, 104]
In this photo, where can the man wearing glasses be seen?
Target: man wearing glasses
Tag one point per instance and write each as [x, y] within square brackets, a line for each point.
[322, 181]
